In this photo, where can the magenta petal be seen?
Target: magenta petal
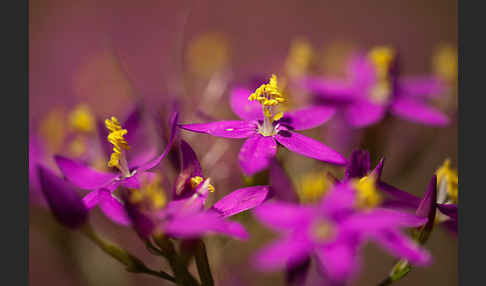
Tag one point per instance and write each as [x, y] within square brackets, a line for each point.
[132, 182]
[227, 129]
[245, 109]
[307, 118]
[399, 195]
[286, 252]
[338, 260]
[329, 89]
[363, 113]
[63, 200]
[196, 225]
[421, 86]
[309, 147]
[82, 175]
[427, 206]
[256, 152]
[241, 200]
[190, 167]
[402, 246]
[283, 216]
[449, 210]
[173, 123]
[113, 208]
[381, 218]
[91, 199]
[358, 165]
[416, 111]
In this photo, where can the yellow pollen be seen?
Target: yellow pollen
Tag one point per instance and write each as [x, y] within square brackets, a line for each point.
[268, 94]
[116, 138]
[312, 187]
[367, 195]
[197, 180]
[82, 119]
[382, 57]
[445, 172]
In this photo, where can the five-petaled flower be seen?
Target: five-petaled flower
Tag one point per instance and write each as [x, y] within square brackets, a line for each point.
[334, 230]
[102, 184]
[375, 87]
[264, 128]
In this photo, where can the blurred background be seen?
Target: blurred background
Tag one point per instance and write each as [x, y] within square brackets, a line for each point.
[108, 55]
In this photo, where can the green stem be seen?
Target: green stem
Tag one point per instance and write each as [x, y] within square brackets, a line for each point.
[182, 274]
[132, 263]
[202, 263]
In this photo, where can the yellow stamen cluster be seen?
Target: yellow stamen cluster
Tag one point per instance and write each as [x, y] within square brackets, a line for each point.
[299, 58]
[367, 195]
[382, 58]
[151, 192]
[197, 180]
[268, 94]
[82, 119]
[445, 172]
[116, 138]
[312, 187]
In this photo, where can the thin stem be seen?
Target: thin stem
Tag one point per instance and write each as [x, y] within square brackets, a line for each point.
[202, 263]
[386, 282]
[132, 263]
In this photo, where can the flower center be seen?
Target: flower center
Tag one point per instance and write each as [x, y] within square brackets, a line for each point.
[382, 58]
[447, 183]
[197, 180]
[118, 158]
[367, 195]
[269, 96]
[323, 230]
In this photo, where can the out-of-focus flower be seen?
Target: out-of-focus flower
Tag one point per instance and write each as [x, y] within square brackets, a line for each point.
[300, 58]
[208, 53]
[334, 231]
[444, 63]
[63, 200]
[375, 87]
[101, 184]
[265, 129]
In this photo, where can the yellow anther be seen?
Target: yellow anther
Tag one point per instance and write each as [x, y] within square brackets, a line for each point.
[268, 94]
[367, 195]
[445, 172]
[82, 119]
[382, 58]
[312, 187]
[278, 116]
[300, 57]
[445, 62]
[195, 181]
[116, 138]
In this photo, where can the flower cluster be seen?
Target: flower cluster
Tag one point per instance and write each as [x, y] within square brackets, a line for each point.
[326, 213]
